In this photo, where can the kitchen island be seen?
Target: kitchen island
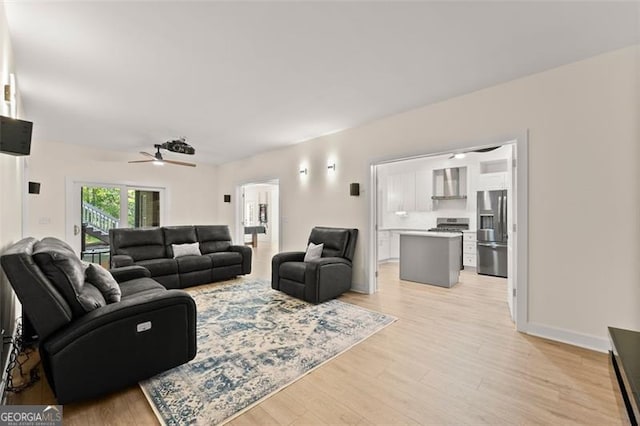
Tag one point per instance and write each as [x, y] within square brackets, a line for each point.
[430, 257]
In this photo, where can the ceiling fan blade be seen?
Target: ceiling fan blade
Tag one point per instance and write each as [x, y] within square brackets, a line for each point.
[180, 163]
[142, 161]
[147, 154]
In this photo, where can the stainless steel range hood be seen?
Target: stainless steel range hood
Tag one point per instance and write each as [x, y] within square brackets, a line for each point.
[447, 184]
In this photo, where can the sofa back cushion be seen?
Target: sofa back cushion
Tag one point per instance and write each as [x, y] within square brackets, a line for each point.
[41, 301]
[139, 243]
[213, 238]
[178, 235]
[65, 270]
[338, 242]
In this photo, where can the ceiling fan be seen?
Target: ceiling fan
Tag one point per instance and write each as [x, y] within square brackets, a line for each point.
[179, 146]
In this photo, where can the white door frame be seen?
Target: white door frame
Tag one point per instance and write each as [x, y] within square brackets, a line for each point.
[73, 200]
[239, 209]
[520, 226]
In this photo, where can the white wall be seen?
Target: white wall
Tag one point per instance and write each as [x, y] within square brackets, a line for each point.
[191, 192]
[11, 189]
[584, 158]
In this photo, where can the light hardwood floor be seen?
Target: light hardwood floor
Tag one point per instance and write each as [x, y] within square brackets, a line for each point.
[453, 357]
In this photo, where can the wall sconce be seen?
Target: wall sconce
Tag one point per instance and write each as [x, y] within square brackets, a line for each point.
[10, 96]
[303, 170]
[34, 187]
[331, 167]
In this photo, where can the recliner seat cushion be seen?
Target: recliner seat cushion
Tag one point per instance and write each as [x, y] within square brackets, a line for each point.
[225, 258]
[140, 285]
[140, 244]
[158, 267]
[334, 240]
[91, 298]
[293, 271]
[65, 270]
[193, 263]
[213, 238]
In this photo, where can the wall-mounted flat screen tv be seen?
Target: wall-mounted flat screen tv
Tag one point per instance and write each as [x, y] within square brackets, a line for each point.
[15, 136]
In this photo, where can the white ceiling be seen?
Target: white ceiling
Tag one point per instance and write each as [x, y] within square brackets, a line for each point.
[237, 78]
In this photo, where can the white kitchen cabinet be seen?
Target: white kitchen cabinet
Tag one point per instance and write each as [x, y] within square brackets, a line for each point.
[394, 193]
[469, 260]
[409, 191]
[492, 181]
[423, 191]
[394, 245]
[383, 245]
[401, 192]
[469, 248]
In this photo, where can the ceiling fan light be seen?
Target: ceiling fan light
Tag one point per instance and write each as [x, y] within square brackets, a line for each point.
[158, 163]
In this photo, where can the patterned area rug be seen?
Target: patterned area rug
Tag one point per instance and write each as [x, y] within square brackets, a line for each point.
[252, 342]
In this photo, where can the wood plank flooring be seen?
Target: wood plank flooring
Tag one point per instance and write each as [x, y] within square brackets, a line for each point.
[453, 357]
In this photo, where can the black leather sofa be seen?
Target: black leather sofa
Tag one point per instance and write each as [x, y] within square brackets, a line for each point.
[321, 279]
[86, 354]
[152, 249]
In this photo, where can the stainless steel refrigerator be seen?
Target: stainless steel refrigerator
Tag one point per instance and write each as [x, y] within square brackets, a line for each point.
[492, 233]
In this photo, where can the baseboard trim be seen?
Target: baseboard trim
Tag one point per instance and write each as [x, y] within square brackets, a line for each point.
[586, 341]
[359, 288]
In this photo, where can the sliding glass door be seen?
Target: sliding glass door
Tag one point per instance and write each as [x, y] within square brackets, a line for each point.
[94, 209]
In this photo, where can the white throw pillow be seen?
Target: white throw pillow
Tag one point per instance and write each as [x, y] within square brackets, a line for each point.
[313, 252]
[180, 250]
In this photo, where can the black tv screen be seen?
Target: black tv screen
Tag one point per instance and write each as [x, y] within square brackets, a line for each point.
[15, 136]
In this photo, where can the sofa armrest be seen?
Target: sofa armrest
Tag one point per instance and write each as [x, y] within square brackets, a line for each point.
[326, 278]
[111, 316]
[128, 273]
[246, 253]
[118, 345]
[120, 260]
[279, 259]
[288, 256]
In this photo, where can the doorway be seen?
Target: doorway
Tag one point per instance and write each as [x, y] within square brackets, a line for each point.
[95, 208]
[259, 215]
[406, 198]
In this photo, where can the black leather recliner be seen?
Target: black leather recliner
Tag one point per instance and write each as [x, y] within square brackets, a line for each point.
[322, 279]
[88, 354]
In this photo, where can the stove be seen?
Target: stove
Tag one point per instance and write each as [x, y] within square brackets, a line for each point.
[446, 229]
[454, 225]
[451, 224]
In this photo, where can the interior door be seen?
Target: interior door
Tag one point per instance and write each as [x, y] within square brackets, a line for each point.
[511, 233]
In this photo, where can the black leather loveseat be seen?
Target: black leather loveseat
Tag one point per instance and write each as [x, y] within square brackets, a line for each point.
[152, 248]
[90, 346]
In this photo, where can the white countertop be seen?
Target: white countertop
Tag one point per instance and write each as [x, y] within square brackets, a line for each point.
[403, 229]
[432, 234]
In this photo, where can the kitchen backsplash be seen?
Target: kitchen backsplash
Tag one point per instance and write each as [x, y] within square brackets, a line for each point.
[423, 220]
